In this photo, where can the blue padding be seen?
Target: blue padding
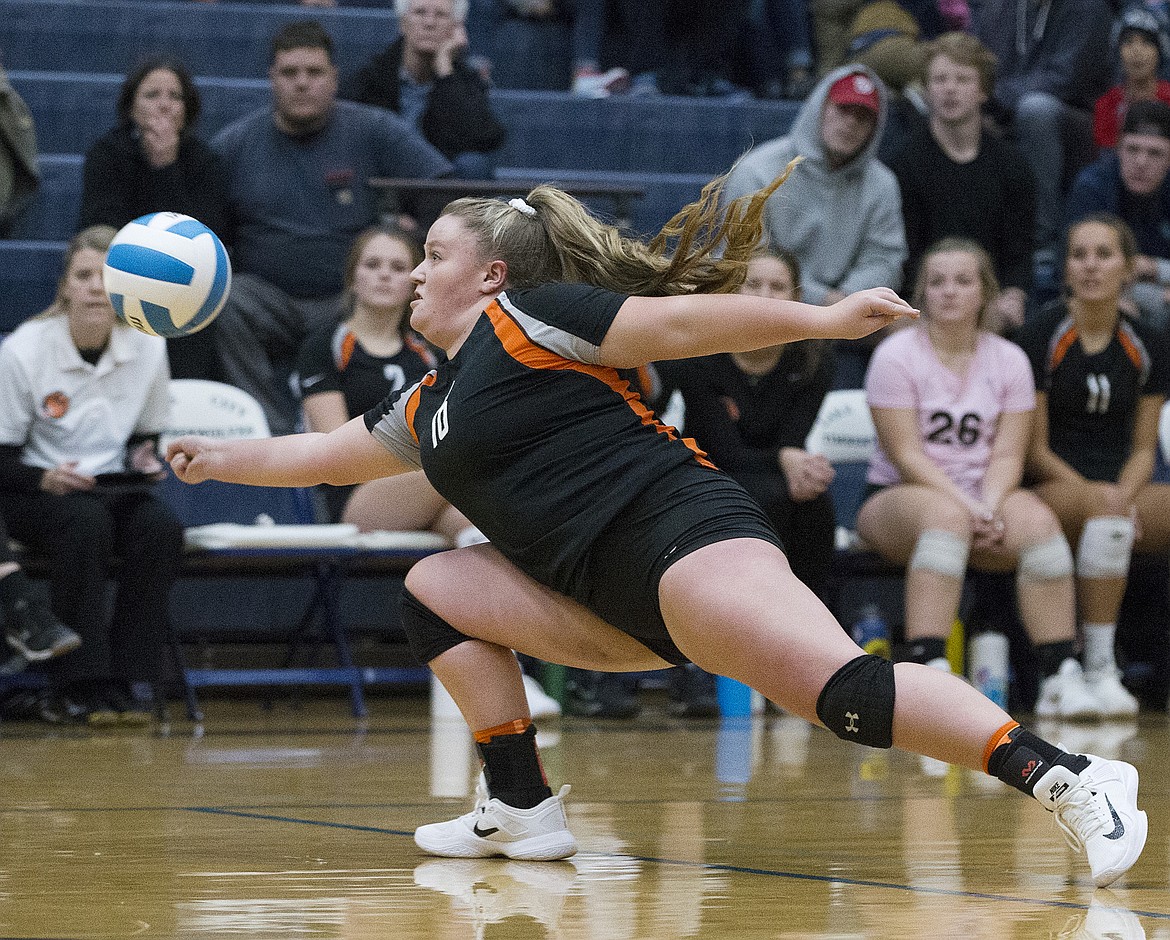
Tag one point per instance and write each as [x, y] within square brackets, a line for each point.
[54, 211]
[28, 279]
[233, 502]
[545, 129]
[149, 262]
[212, 39]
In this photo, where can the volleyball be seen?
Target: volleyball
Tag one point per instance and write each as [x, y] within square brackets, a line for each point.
[167, 274]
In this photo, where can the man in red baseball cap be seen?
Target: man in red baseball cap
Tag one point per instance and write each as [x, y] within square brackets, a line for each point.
[850, 117]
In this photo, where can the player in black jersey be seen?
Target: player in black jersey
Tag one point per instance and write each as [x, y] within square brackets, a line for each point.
[615, 544]
[1103, 378]
[345, 369]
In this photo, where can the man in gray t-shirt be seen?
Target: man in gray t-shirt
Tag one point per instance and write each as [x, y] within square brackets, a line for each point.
[298, 187]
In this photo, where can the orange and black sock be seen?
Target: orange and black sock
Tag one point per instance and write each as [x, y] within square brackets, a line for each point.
[1020, 759]
[511, 764]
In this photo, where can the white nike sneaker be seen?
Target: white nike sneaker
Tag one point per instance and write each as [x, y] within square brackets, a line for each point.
[1097, 812]
[540, 703]
[1114, 698]
[539, 834]
[1066, 694]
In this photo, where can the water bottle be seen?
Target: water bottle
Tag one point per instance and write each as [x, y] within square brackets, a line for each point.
[988, 657]
[871, 633]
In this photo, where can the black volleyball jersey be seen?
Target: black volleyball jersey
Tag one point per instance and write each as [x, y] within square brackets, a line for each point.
[528, 436]
[333, 360]
[1093, 399]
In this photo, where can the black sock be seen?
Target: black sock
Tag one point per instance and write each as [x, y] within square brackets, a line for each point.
[922, 650]
[1022, 759]
[1051, 655]
[512, 769]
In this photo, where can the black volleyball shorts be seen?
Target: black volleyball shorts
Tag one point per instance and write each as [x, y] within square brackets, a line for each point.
[690, 507]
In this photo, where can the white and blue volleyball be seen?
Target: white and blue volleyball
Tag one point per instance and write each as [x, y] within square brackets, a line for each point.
[167, 274]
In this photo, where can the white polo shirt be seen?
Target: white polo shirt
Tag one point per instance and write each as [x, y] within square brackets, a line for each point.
[58, 408]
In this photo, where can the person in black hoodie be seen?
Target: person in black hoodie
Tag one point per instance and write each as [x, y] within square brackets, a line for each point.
[425, 78]
[151, 161]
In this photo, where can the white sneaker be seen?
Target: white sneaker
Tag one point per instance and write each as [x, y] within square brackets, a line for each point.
[1066, 694]
[540, 703]
[540, 834]
[1114, 698]
[1097, 812]
[601, 84]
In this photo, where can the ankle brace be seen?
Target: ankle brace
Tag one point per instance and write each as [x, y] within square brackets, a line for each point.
[512, 769]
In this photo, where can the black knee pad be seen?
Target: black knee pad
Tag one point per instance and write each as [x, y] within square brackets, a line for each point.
[428, 634]
[857, 703]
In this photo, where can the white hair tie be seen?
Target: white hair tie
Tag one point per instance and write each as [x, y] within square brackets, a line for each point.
[521, 206]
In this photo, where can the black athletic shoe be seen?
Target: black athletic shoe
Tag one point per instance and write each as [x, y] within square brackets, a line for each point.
[127, 709]
[36, 634]
[692, 693]
[600, 694]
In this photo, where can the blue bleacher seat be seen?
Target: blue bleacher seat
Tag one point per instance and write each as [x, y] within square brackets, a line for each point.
[29, 271]
[53, 213]
[213, 39]
[545, 129]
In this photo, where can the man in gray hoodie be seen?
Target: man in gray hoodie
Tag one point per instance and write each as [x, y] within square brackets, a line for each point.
[840, 212]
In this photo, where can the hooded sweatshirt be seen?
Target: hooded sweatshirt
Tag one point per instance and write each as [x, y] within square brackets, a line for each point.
[844, 225]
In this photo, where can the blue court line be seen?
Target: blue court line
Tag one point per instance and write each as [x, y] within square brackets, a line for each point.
[711, 866]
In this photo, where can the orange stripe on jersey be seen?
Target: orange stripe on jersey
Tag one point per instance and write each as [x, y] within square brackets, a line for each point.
[345, 353]
[420, 348]
[1135, 354]
[517, 345]
[412, 403]
[1062, 347]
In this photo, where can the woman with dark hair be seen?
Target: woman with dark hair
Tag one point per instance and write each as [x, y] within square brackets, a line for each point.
[151, 161]
[1102, 379]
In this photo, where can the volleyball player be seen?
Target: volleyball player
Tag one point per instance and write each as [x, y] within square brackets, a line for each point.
[1103, 378]
[615, 544]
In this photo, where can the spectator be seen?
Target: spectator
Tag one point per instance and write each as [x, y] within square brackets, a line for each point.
[151, 161]
[298, 181]
[958, 180]
[424, 77]
[1053, 60]
[1102, 380]
[1140, 41]
[30, 627]
[520, 34]
[885, 35]
[1131, 184]
[20, 176]
[779, 50]
[85, 400]
[952, 404]
[842, 215]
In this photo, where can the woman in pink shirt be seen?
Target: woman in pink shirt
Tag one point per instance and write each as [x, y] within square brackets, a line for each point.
[952, 404]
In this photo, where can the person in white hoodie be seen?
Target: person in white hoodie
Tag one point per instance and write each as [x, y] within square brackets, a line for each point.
[841, 212]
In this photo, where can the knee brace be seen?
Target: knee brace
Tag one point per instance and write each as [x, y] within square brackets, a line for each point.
[1045, 561]
[941, 551]
[427, 634]
[1105, 546]
[857, 703]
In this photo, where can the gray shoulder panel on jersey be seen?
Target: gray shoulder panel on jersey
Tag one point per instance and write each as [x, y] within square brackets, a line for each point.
[393, 432]
[552, 338]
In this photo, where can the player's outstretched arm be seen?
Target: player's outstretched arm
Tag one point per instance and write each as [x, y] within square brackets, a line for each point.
[348, 455]
[647, 329]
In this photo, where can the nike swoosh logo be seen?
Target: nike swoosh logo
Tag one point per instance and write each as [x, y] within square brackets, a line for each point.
[311, 380]
[1118, 826]
[484, 833]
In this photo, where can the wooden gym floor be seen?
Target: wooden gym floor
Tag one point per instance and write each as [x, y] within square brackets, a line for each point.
[297, 821]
